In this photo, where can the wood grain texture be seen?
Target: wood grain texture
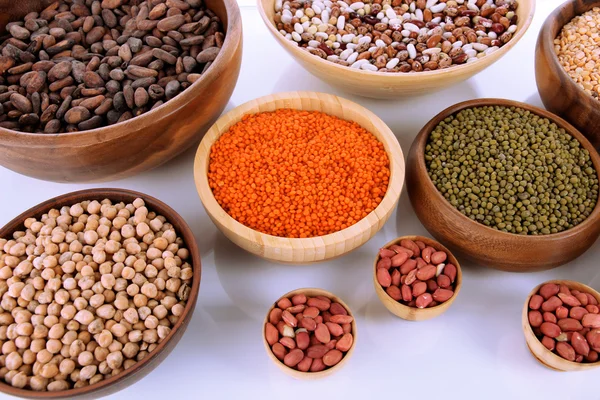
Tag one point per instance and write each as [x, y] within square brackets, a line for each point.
[538, 350]
[139, 144]
[386, 84]
[144, 367]
[296, 250]
[559, 93]
[413, 313]
[482, 244]
[310, 375]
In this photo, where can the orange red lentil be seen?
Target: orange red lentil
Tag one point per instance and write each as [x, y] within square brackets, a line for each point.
[298, 174]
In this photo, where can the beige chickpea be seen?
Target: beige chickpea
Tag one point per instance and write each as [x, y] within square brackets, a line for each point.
[23, 269]
[120, 256]
[120, 284]
[140, 300]
[127, 231]
[135, 336]
[6, 272]
[49, 371]
[121, 302]
[139, 326]
[103, 230]
[23, 342]
[173, 284]
[73, 325]
[131, 315]
[76, 246]
[128, 363]
[54, 309]
[128, 273]
[163, 331]
[49, 262]
[37, 345]
[57, 331]
[100, 353]
[153, 253]
[115, 346]
[85, 358]
[29, 357]
[19, 380]
[38, 383]
[44, 356]
[118, 330]
[139, 279]
[87, 271]
[151, 322]
[67, 366]
[50, 321]
[9, 347]
[119, 222]
[133, 289]
[109, 296]
[115, 360]
[15, 289]
[96, 326]
[84, 317]
[106, 311]
[177, 310]
[6, 318]
[112, 246]
[130, 349]
[139, 265]
[68, 312]
[76, 348]
[54, 346]
[87, 372]
[86, 282]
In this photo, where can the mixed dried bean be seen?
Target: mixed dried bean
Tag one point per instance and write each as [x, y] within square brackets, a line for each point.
[398, 35]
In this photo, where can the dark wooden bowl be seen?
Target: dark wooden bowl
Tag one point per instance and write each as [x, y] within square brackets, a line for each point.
[141, 143]
[559, 93]
[141, 368]
[482, 244]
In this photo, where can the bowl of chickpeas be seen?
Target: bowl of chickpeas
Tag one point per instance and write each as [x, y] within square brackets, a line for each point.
[97, 288]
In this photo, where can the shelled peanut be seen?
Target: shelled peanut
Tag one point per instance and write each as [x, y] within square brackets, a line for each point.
[416, 274]
[87, 291]
[566, 321]
[309, 334]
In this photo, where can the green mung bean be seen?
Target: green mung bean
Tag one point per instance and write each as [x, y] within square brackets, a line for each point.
[512, 170]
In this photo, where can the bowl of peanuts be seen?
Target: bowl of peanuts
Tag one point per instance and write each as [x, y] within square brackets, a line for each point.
[399, 48]
[561, 324]
[98, 287]
[97, 91]
[565, 65]
[416, 278]
[299, 177]
[309, 333]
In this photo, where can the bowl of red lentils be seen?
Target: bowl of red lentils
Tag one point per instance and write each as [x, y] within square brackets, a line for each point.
[98, 287]
[299, 177]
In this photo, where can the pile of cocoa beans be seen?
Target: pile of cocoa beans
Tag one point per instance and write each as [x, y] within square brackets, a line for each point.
[83, 64]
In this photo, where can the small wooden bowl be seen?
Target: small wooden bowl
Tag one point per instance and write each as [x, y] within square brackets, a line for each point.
[386, 84]
[153, 359]
[538, 350]
[485, 245]
[310, 375]
[414, 313]
[296, 250]
[559, 93]
[139, 144]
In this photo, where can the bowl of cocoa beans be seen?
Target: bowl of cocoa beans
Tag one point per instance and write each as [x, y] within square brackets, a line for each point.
[309, 333]
[561, 322]
[416, 278]
[102, 90]
[98, 287]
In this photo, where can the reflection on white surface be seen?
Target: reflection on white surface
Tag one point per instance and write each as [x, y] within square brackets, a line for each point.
[475, 350]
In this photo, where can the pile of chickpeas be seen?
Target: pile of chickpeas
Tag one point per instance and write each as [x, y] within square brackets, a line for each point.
[86, 292]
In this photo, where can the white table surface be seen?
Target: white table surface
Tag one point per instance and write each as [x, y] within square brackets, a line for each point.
[476, 350]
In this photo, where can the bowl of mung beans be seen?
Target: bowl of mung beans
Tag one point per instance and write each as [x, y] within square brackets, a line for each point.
[98, 287]
[299, 177]
[566, 65]
[396, 48]
[506, 184]
[103, 90]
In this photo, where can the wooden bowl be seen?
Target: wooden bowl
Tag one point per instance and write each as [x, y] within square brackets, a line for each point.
[145, 366]
[386, 84]
[310, 375]
[482, 244]
[414, 313]
[538, 350]
[296, 250]
[141, 143]
[559, 93]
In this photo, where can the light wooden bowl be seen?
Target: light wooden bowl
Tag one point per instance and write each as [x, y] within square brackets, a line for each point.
[414, 313]
[310, 375]
[538, 350]
[139, 144]
[482, 244]
[153, 359]
[296, 250]
[386, 84]
[559, 93]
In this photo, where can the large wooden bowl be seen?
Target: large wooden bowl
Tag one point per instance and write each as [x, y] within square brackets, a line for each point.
[414, 313]
[151, 361]
[559, 93]
[141, 143]
[538, 350]
[385, 84]
[296, 250]
[310, 375]
[482, 244]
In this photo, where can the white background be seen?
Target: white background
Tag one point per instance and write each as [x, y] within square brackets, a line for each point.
[474, 351]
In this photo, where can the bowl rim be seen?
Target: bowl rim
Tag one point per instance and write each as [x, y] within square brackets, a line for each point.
[277, 100]
[528, 330]
[566, 10]
[427, 241]
[233, 39]
[400, 77]
[310, 375]
[418, 148]
[183, 230]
